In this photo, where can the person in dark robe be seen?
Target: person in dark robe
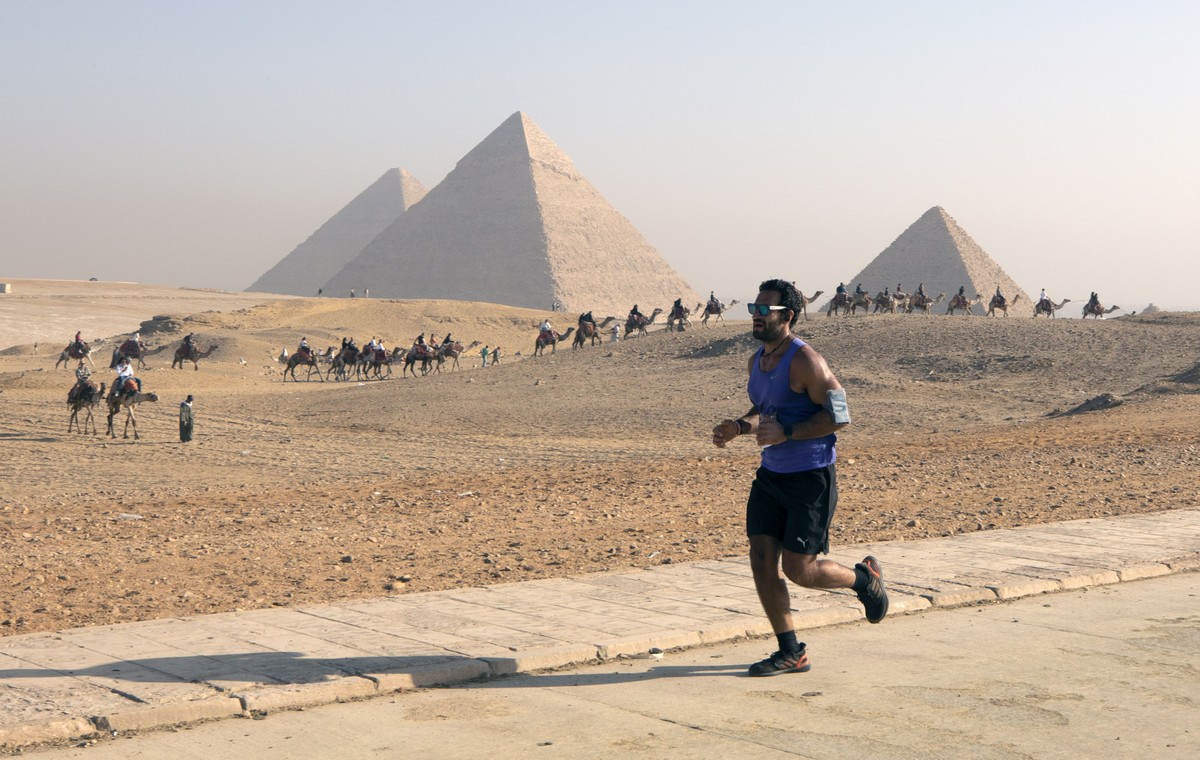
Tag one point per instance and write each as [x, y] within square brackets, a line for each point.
[186, 420]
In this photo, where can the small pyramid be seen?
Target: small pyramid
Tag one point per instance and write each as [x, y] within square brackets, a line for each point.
[514, 223]
[340, 239]
[935, 251]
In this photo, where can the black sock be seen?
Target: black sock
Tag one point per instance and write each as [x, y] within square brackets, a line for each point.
[862, 578]
[788, 642]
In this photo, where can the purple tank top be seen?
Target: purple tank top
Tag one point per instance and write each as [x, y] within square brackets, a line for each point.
[772, 393]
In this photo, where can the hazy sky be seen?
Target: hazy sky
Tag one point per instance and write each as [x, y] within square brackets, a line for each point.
[197, 144]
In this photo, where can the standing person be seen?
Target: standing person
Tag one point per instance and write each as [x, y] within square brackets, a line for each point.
[496, 356]
[483, 353]
[185, 420]
[616, 332]
[794, 415]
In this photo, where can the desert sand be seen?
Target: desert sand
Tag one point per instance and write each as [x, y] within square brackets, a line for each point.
[585, 460]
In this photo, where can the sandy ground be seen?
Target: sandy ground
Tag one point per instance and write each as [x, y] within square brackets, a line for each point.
[298, 493]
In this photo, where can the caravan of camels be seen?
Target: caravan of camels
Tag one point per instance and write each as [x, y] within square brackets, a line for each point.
[375, 362]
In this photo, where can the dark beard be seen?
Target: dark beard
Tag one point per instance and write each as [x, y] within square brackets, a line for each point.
[770, 333]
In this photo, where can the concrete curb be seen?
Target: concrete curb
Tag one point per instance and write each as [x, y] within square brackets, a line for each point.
[834, 608]
[68, 729]
[162, 716]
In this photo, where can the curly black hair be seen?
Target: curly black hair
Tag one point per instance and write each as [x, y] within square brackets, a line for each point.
[789, 296]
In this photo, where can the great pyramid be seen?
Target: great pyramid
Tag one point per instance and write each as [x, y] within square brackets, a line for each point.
[514, 223]
[340, 239]
[934, 250]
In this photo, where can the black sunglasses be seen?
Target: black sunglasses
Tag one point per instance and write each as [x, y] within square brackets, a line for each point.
[763, 309]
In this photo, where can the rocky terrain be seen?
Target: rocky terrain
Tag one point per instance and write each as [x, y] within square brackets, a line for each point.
[586, 460]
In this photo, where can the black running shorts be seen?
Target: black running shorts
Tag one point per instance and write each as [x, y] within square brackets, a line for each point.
[795, 507]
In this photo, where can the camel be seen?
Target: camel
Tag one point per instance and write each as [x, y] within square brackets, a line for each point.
[74, 351]
[678, 318]
[307, 360]
[554, 338]
[126, 402]
[924, 303]
[839, 304]
[997, 304]
[1097, 311]
[194, 356]
[639, 325]
[963, 303]
[804, 302]
[83, 401]
[590, 330]
[425, 356]
[345, 357]
[134, 350]
[886, 302]
[861, 301]
[451, 352]
[715, 309]
[1048, 307]
[369, 362]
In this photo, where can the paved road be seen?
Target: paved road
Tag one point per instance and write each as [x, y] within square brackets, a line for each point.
[1112, 672]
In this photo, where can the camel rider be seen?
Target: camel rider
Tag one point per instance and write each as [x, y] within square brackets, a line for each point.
[677, 308]
[1043, 299]
[1000, 297]
[636, 316]
[899, 292]
[304, 349]
[587, 317]
[544, 329]
[77, 344]
[1094, 300]
[124, 373]
[921, 290]
[345, 342]
[841, 289]
[713, 303]
[420, 340]
[446, 341]
[187, 344]
[858, 289]
[962, 291]
[886, 293]
[82, 373]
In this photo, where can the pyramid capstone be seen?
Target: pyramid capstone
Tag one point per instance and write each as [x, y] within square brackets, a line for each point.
[340, 239]
[935, 251]
[515, 223]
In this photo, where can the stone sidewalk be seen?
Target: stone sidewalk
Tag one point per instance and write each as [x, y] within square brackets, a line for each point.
[74, 683]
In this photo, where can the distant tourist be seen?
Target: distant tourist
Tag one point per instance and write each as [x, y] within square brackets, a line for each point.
[496, 356]
[366, 292]
[319, 292]
[615, 331]
[352, 292]
[483, 353]
[186, 420]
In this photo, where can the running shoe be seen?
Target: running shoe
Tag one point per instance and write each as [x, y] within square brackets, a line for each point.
[874, 597]
[782, 662]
